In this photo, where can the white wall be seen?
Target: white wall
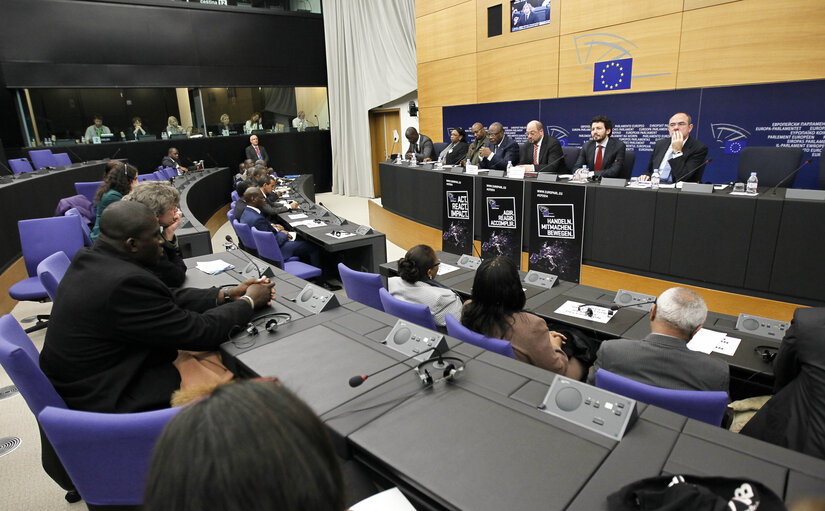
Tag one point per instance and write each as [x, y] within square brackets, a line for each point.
[403, 104]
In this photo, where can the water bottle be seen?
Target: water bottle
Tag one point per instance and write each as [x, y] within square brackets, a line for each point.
[398, 159]
[753, 184]
[413, 160]
[583, 173]
[509, 167]
[654, 180]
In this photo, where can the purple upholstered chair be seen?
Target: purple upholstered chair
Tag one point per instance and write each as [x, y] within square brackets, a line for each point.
[412, 312]
[50, 271]
[87, 238]
[244, 233]
[459, 331]
[268, 249]
[20, 165]
[88, 188]
[702, 405]
[62, 159]
[146, 177]
[42, 158]
[234, 195]
[362, 286]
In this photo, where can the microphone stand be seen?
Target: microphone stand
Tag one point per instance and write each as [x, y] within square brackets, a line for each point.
[773, 190]
[693, 170]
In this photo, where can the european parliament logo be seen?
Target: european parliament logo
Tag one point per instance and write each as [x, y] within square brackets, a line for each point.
[612, 75]
[734, 138]
[735, 146]
[559, 133]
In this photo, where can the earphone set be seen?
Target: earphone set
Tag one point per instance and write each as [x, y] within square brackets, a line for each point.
[768, 353]
[271, 324]
[450, 370]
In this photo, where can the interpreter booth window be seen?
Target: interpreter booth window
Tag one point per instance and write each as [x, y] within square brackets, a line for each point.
[313, 6]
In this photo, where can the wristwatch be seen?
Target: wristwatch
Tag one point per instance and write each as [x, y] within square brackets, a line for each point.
[226, 298]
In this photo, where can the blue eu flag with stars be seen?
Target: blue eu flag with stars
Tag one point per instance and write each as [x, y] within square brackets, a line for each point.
[612, 75]
[735, 146]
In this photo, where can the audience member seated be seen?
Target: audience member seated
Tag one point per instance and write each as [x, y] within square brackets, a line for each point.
[96, 129]
[172, 160]
[417, 284]
[225, 127]
[454, 153]
[115, 329]
[137, 129]
[662, 359]
[254, 123]
[421, 145]
[252, 446]
[495, 310]
[119, 181]
[300, 123]
[795, 416]
[163, 199]
[267, 185]
[480, 140]
[172, 128]
[499, 150]
[256, 152]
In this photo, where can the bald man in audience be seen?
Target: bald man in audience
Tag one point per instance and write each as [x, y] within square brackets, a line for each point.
[662, 359]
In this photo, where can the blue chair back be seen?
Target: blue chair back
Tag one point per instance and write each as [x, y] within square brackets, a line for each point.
[772, 164]
[42, 237]
[159, 175]
[459, 331]
[571, 154]
[146, 177]
[627, 164]
[412, 312]
[362, 286]
[20, 358]
[106, 455]
[20, 165]
[169, 172]
[42, 158]
[87, 238]
[62, 159]
[702, 405]
[244, 232]
[267, 246]
[88, 189]
[51, 271]
[234, 195]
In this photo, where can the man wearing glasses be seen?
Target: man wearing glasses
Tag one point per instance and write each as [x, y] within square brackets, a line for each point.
[679, 155]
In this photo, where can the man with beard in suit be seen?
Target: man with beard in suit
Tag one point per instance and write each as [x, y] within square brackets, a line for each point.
[603, 154]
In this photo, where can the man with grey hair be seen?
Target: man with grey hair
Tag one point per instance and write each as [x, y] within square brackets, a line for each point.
[163, 199]
[662, 359]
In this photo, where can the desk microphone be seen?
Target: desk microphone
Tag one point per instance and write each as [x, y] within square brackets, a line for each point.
[773, 190]
[213, 160]
[112, 157]
[616, 307]
[610, 310]
[694, 170]
[361, 378]
[340, 220]
[11, 172]
[267, 273]
[79, 159]
[546, 165]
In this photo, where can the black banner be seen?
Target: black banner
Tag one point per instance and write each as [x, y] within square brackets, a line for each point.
[502, 201]
[457, 234]
[557, 230]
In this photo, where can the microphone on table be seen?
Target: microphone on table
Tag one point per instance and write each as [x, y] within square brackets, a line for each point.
[546, 165]
[589, 312]
[267, 273]
[617, 307]
[361, 378]
[79, 159]
[112, 157]
[340, 220]
[213, 160]
[11, 172]
[773, 190]
[693, 170]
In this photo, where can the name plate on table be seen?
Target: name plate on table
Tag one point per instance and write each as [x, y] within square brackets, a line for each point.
[798, 193]
[457, 170]
[496, 173]
[614, 181]
[540, 279]
[763, 327]
[546, 176]
[411, 339]
[697, 187]
[469, 262]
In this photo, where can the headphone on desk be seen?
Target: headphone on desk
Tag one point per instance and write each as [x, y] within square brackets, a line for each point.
[450, 370]
[271, 324]
[768, 353]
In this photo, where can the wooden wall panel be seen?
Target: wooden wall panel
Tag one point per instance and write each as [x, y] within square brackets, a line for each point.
[508, 38]
[447, 82]
[446, 33]
[424, 7]
[528, 71]
[430, 121]
[582, 16]
[752, 41]
[653, 44]
[699, 4]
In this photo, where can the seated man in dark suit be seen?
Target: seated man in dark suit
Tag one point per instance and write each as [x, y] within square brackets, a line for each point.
[499, 149]
[795, 416]
[137, 129]
[115, 329]
[603, 154]
[172, 160]
[542, 151]
[676, 157]
[662, 359]
[256, 152]
[421, 145]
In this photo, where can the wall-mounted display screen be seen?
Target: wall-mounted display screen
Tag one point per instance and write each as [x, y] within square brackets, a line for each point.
[528, 14]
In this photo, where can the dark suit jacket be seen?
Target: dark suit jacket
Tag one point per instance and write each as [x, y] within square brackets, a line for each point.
[458, 153]
[130, 133]
[661, 361]
[795, 416]
[115, 330]
[251, 155]
[550, 151]
[507, 151]
[168, 161]
[694, 153]
[612, 159]
[254, 219]
[424, 148]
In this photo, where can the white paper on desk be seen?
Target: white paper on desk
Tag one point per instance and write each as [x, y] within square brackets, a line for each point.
[297, 216]
[671, 185]
[388, 500]
[571, 308]
[639, 184]
[516, 173]
[341, 235]
[445, 268]
[720, 187]
[727, 346]
[302, 222]
[315, 223]
[745, 194]
[213, 267]
[565, 176]
[705, 340]
[292, 235]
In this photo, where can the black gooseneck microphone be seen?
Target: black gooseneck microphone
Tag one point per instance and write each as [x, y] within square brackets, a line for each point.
[213, 160]
[229, 239]
[79, 159]
[11, 172]
[112, 157]
[340, 220]
[551, 163]
[773, 190]
[361, 378]
[616, 307]
[693, 170]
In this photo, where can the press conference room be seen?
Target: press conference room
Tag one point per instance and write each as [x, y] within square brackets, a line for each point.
[356, 323]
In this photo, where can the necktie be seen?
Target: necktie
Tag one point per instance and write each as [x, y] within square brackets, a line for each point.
[535, 154]
[598, 165]
[258, 152]
[664, 168]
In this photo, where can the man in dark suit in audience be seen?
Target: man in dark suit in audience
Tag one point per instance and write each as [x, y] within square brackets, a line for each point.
[603, 154]
[421, 145]
[115, 329]
[256, 152]
[679, 155]
[499, 149]
[662, 359]
[172, 160]
[542, 151]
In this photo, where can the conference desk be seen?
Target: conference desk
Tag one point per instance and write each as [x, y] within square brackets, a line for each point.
[480, 442]
[762, 245]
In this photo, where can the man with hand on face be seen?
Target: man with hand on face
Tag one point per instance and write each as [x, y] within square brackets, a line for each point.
[499, 149]
[115, 329]
[544, 152]
[603, 154]
[256, 152]
[421, 145]
[675, 157]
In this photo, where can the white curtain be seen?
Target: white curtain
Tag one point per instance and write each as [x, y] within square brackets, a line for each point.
[370, 47]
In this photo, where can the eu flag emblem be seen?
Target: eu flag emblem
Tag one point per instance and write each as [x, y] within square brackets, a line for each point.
[612, 75]
[735, 146]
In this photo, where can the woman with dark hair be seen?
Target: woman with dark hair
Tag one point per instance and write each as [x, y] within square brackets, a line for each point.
[457, 150]
[119, 181]
[416, 284]
[495, 310]
[250, 446]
